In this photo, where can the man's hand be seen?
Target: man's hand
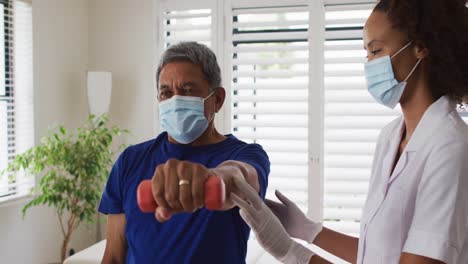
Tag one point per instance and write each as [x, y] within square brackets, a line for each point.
[178, 186]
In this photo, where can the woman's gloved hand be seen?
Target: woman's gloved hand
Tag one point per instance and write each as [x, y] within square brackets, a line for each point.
[267, 228]
[293, 219]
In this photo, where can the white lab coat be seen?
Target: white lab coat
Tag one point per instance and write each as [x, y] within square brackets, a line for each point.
[422, 207]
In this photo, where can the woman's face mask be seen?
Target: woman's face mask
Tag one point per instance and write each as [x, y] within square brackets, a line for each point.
[381, 82]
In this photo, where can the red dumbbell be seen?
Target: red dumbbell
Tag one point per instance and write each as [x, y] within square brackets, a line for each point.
[215, 195]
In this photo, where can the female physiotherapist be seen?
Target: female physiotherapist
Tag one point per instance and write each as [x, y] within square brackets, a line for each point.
[417, 207]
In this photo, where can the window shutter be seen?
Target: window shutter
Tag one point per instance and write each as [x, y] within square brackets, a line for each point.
[16, 103]
[269, 77]
[183, 21]
[24, 99]
[353, 120]
[187, 25]
[5, 99]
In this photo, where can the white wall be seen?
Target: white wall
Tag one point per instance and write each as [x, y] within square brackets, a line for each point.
[60, 62]
[122, 40]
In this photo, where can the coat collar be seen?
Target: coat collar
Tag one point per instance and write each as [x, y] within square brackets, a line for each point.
[430, 120]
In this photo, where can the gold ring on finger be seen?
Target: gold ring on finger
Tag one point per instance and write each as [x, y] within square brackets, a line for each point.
[184, 182]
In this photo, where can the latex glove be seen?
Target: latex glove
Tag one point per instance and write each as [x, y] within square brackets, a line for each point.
[293, 219]
[266, 227]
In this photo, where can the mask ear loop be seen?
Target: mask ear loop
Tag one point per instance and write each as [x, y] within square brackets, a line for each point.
[415, 66]
[210, 94]
[412, 71]
[402, 49]
[209, 121]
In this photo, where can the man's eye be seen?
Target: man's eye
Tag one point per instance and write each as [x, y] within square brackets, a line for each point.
[164, 94]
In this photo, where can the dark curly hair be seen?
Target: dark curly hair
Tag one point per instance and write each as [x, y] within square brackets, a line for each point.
[442, 27]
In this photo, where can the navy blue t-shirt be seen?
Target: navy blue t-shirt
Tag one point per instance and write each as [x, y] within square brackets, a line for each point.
[201, 237]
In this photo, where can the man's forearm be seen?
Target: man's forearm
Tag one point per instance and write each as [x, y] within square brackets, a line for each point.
[116, 242]
[338, 244]
[112, 260]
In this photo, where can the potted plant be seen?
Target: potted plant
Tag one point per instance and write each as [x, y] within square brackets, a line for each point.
[72, 171]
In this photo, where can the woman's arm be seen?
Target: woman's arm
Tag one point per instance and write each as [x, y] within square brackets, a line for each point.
[274, 238]
[407, 258]
[316, 259]
[299, 226]
[338, 244]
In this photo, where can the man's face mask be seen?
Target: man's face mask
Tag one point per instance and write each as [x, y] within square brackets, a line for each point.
[183, 117]
[381, 82]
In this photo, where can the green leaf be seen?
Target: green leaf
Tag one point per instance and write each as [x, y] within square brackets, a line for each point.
[72, 167]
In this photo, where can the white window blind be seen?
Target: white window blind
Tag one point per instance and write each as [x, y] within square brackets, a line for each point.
[16, 93]
[353, 120]
[187, 25]
[269, 56]
[5, 98]
[184, 21]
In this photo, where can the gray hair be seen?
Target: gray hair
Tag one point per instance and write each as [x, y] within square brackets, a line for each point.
[197, 54]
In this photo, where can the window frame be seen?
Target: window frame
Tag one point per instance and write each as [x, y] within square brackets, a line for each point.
[8, 96]
[18, 94]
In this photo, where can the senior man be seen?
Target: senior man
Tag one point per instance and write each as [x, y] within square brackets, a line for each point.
[179, 161]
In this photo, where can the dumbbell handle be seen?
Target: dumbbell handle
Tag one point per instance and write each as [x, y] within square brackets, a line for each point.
[215, 195]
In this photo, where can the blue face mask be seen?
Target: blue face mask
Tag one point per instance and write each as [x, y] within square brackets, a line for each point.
[183, 117]
[381, 81]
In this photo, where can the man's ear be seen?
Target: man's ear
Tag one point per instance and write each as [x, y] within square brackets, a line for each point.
[220, 95]
[420, 50]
